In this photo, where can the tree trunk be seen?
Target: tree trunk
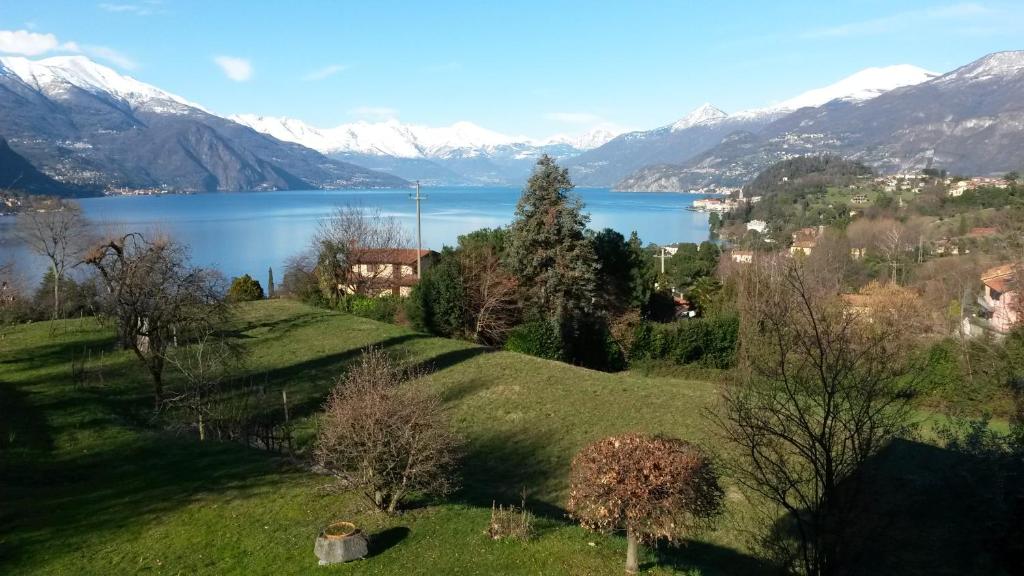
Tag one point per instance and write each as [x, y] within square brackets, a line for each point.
[632, 566]
[158, 386]
[202, 429]
[56, 293]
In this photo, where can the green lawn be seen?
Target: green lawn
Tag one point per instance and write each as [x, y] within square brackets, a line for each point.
[89, 486]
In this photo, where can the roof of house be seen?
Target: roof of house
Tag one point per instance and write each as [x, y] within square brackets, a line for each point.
[804, 244]
[389, 255]
[999, 278]
[979, 232]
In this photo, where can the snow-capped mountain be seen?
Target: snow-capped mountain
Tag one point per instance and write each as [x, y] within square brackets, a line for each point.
[394, 138]
[87, 126]
[462, 153]
[586, 141]
[858, 87]
[704, 114]
[968, 121]
[708, 125]
[58, 75]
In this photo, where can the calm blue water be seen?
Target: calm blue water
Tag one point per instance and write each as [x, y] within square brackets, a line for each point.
[247, 233]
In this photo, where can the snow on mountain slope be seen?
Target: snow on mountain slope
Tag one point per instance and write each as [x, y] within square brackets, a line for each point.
[55, 76]
[997, 65]
[858, 87]
[393, 138]
[705, 114]
[587, 141]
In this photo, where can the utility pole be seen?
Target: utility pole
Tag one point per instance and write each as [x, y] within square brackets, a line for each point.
[419, 236]
[662, 256]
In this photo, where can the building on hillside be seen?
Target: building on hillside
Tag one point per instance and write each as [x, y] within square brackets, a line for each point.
[946, 246]
[742, 256]
[859, 199]
[386, 272]
[805, 240]
[803, 247]
[759, 226]
[1000, 300]
[858, 253]
[982, 232]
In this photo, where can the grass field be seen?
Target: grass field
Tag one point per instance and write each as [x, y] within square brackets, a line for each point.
[90, 486]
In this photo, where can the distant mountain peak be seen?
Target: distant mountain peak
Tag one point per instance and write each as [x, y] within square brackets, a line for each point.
[703, 114]
[53, 76]
[995, 65]
[860, 86]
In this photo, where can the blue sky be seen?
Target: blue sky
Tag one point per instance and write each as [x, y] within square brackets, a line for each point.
[522, 67]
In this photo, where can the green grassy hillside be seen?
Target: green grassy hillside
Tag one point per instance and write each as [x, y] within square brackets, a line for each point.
[89, 486]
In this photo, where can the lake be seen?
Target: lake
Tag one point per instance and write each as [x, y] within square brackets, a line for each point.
[242, 233]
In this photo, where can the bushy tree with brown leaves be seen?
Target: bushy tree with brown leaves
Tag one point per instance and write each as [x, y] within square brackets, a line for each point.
[651, 487]
[384, 437]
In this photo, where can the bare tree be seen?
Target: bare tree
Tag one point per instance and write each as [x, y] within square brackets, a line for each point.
[491, 293]
[893, 243]
[206, 359]
[58, 234]
[154, 295]
[818, 392]
[384, 437]
[351, 245]
[649, 487]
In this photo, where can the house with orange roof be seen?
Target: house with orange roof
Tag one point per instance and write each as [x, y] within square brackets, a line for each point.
[1001, 299]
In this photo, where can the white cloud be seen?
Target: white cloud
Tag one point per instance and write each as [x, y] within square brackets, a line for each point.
[374, 112]
[580, 118]
[903, 20]
[145, 8]
[30, 43]
[237, 69]
[325, 72]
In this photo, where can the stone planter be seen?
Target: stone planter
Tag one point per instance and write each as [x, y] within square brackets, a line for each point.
[340, 542]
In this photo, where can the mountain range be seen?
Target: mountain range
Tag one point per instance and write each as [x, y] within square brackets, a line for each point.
[460, 154]
[969, 121]
[85, 127]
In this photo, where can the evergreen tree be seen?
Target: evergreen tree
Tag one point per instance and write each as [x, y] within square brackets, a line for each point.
[548, 250]
[245, 289]
[642, 274]
[270, 282]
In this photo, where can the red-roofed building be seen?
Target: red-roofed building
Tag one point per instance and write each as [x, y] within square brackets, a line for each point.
[383, 272]
[1000, 300]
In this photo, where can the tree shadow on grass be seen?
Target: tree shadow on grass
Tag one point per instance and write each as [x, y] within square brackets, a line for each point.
[130, 482]
[448, 359]
[386, 539]
[707, 559]
[924, 510]
[501, 467]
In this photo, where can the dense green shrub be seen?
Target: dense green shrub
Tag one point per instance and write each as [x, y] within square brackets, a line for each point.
[709, 342]
[592, 345]
[538, 338]
[438, 302]
[940, 371]
[78, 298]
[381, 309]
[245, 288]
